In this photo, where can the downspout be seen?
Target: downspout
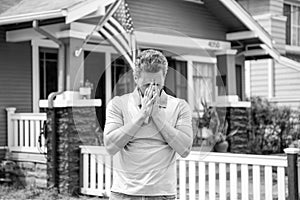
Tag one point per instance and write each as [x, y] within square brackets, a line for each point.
[61, 88]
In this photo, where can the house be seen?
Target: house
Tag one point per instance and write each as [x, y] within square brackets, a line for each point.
[278, 78]
[206, 42]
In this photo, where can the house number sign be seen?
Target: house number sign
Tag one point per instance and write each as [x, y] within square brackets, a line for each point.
[214, 44]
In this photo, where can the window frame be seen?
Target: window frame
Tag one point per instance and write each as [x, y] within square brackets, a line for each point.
[205, 77]
[292, 25]
[190, 89]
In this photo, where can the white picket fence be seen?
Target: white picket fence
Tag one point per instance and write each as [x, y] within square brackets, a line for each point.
[201, 175]
[23, 131]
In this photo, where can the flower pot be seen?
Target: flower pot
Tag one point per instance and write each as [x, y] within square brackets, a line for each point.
[221, 146]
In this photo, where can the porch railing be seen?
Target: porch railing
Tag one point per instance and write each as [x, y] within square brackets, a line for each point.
[23, 132]
[201, 175]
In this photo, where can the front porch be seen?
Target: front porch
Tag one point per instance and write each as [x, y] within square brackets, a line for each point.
[202, 175]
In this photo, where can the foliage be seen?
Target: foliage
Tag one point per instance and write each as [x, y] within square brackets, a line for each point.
[272, 128]
[212, 129]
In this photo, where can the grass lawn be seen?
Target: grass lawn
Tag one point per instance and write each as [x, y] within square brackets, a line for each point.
[11, 192]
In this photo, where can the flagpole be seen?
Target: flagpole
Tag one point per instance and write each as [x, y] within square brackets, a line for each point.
[100, 24]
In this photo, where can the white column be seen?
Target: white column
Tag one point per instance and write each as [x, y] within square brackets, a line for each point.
[190, 86]
[10, 131]
[35, 77]
[270, 78]
[247, 79]
[108, 85]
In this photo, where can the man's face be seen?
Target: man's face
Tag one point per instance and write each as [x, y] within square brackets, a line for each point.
[146, 78]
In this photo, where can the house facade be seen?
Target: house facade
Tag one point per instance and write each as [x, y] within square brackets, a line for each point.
[277, 79]
[39, 41]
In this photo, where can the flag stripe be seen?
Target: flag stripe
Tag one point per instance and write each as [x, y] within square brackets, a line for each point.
[124, 38]
[118, 30]
[118, 46]
[117, 37]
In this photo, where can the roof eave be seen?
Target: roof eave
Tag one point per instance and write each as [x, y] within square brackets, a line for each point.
[32, 16]
[248, 20]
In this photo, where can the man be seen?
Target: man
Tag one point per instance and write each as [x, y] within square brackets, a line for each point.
[144, 130]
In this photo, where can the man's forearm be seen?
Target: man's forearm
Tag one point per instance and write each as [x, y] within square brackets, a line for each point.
[116, 136]
[180, 138]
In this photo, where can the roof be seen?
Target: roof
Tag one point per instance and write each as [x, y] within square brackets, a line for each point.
[29, 10]
[36, 6]
[6, 4]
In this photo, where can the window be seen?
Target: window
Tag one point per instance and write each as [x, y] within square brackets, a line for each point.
[292, 12]
[48, 59]
[176, 80]
[203, 74]
[122, 78]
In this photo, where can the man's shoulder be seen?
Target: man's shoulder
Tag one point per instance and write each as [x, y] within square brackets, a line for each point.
[118, 100]
[175, 100]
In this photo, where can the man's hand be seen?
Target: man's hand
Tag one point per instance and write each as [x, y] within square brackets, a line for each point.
[148, 100]
[158, 114]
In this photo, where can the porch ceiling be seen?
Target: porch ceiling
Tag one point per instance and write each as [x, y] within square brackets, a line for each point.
[225, 16]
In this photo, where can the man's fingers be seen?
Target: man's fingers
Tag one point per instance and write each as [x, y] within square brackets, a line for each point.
[146, 92]
[153, 99]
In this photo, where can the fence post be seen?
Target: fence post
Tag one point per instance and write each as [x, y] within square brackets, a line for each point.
[10, 130]
[292, 157]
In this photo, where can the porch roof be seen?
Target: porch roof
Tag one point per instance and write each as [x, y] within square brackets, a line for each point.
[27, 10]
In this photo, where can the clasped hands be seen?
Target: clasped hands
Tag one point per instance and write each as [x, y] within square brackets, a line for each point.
[149, 101]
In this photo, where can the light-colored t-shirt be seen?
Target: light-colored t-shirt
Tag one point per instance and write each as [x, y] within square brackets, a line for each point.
[146, 165]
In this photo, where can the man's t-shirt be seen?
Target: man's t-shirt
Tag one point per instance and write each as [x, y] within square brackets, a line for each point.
[147, 164]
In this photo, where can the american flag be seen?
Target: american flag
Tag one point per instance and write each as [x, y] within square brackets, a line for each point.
[118, 30]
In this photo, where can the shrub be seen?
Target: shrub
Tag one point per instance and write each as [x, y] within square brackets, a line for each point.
[272, 128]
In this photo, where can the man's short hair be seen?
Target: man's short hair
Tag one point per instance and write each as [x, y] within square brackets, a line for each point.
[150, 61]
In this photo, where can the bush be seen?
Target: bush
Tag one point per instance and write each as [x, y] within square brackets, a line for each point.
[9, 193]
[272, 128]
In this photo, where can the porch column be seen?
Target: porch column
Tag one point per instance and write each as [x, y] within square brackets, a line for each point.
[10, 131]
[74, 64]
[226, 67]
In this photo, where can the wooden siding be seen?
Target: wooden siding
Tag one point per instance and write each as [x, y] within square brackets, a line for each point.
[278, 34]
[15, 81]
[276, 28]
[185, 18]
[262, 7]
[293, 104]
[272, 23]
[276, 7]
[287, 82]
[259, 78]
[255, 7]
